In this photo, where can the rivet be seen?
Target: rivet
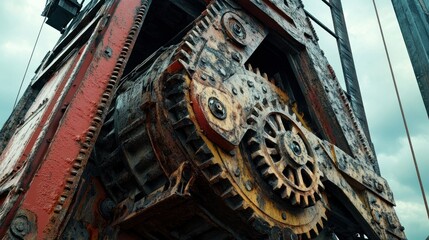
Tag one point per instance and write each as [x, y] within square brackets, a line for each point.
[248, 185]
[237, 172]
[236, 56]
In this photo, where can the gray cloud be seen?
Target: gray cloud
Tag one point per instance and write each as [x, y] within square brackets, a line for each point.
[20, 22]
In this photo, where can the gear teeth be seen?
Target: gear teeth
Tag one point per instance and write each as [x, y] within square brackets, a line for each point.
[260, 162]
[183, 122]
[249, 67]
[320, 224]
[214, 179]
[286, 193]
[257, 153]
[295, 199]
[324, 217]
[276, 184]
[189, 46]
[321, 186]
[312, 199]
[251, 120]
[265, 76]
[206, 20]
[192, 137]
[230, 192]
[205, 164]
[259, 107]
[275, 103]
[308, 235]
[286, 108]
[203, 150]
[314, 232]
[306, 202]
[258, 72]
[266, 172]
[252, 140]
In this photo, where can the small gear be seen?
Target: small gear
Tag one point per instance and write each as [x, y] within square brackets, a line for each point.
[280, 153]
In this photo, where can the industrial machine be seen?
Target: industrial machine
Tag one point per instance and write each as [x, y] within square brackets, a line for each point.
[188, 119]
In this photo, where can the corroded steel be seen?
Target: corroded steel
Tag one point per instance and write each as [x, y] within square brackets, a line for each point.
[52, 153]
[234, 128]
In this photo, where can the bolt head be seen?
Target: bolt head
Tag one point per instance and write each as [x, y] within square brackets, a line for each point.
[217, 108]
[237, 172]
[296, 149]
[248, 185]
[236, 56]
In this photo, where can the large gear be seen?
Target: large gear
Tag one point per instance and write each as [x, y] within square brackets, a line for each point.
[280, 153]
[178, 101]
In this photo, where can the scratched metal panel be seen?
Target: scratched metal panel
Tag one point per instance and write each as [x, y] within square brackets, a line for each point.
[413, 18]
[348, 65]
[350, 76]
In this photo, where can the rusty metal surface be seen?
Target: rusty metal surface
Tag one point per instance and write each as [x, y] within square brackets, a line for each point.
[61, 154]
[236, 129]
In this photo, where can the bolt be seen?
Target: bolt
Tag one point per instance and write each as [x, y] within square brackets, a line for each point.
[108, 52]
[379, 187]
[20, 226]
[250, 83]
[222, 72]
[237, 172]
[236, 56]
[217, 108]
[284, 215]
[326, 89]
[106, 208]
[234, 91]
[238, 30]
[248, 185]
[285, 3]
[296, 149]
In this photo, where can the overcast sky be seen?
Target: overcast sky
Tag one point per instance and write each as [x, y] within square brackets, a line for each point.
[20, 21]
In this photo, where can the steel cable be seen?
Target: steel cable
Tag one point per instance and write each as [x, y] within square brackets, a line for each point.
[402, 110]
[28, 64]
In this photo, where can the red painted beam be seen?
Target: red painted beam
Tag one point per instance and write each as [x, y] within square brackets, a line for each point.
[53, 177]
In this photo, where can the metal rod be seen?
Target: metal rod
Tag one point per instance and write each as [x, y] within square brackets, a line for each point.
[402, 111]
[327, 3]
[320, 24]
[28, 63]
